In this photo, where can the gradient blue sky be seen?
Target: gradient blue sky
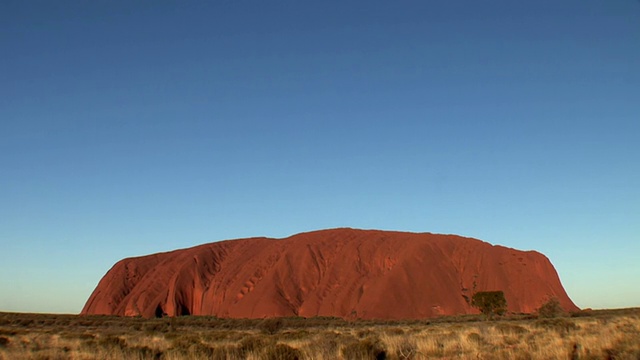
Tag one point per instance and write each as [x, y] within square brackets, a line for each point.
[133, 127]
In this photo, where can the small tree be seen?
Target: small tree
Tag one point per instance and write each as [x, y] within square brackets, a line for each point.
[490, 302]
[551, 309]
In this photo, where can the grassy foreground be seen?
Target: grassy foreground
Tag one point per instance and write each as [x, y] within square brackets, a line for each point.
[611, 334]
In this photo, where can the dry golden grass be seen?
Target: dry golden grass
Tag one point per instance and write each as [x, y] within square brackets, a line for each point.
[590, 335]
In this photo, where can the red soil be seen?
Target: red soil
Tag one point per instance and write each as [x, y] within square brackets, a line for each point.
[341, 272]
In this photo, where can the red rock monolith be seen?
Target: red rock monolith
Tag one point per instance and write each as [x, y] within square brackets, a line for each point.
[347, 273]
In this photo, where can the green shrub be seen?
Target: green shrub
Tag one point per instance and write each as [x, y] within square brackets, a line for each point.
[551, 309]
[490, 302]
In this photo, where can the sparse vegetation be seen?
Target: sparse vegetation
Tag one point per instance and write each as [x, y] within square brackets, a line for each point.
[551, 309]
[271, 326]
[369, 348]
[610, 334]
[490, 302]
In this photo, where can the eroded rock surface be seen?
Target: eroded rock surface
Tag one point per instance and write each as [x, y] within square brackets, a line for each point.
[347, 273]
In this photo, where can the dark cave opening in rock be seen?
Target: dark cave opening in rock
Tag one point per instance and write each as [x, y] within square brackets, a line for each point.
[159, 311]
[183, 310]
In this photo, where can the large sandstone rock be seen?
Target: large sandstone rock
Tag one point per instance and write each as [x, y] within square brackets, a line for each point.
[341, 272]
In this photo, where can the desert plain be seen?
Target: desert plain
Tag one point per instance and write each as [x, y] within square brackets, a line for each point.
[590, 334]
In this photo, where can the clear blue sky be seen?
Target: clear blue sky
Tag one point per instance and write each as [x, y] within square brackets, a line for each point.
[133, 127]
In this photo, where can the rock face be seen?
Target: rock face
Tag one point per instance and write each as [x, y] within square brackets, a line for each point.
[347, 273]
